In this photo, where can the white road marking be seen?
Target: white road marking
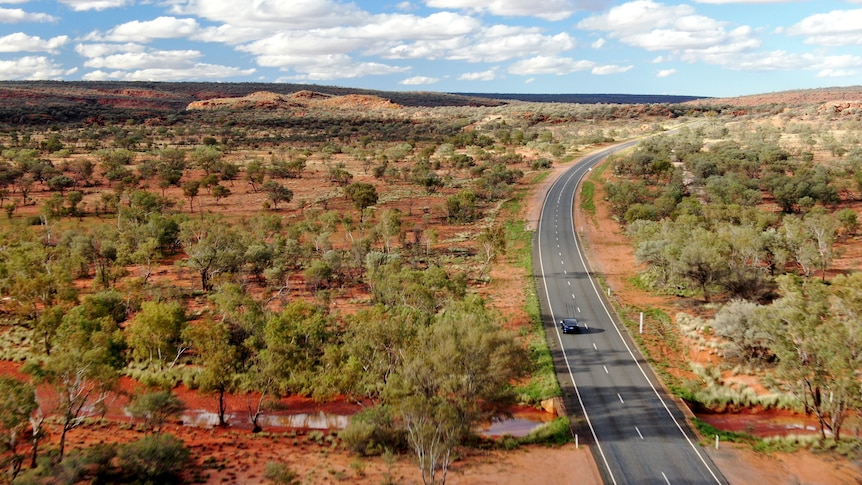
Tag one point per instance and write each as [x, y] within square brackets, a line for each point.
[569, 282]
[665, 478]
[594, 346]
[579, 309]
[639, 432]
[606, 369]
[621, 398]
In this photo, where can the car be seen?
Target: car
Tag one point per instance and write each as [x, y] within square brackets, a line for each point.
[570, 325]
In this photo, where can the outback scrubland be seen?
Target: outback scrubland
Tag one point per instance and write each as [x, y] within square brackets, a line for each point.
[249, 253]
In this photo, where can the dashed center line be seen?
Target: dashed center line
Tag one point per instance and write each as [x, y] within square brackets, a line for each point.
[606, 369]
[665, 478]
[594, 346]
[639, 432]
[621, 398]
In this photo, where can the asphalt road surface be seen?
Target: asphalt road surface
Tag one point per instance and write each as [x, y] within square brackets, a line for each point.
[637, 433]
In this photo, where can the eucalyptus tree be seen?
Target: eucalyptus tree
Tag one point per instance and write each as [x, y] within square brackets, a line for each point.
[813, 332]
[84, 367]
[212, 248]
[458, 375]
[17, 404]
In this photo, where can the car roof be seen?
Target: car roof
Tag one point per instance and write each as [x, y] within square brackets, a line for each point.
[570, 320]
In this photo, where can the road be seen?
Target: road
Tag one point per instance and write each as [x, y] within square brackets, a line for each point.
[637, 433]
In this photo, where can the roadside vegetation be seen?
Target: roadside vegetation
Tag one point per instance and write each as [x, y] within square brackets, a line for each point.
[743, 221]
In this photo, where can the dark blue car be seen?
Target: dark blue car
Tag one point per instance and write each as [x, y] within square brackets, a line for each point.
[570, 325]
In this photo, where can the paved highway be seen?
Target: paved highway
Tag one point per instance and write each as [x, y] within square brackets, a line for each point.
[637, 433]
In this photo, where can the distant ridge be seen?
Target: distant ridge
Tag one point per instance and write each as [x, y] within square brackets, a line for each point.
[587, 98]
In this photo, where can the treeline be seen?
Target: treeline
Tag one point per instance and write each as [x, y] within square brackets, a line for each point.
[695, 212]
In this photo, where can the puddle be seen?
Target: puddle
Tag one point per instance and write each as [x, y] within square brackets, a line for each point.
[319, 420]
[204, 419]
[516, 427]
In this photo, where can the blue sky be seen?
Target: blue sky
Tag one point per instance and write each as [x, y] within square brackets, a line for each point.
[694, 47]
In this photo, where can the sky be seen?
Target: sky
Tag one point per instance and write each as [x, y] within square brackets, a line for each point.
[696, 47]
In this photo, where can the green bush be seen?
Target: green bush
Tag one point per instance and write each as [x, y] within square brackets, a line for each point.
[373, 431]
[281, 474]
[154, 459]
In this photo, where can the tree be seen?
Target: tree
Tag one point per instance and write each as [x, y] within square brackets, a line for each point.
[219, 358]
[17, 404]
[83, 369]
[277, 193]
[492, 241]
[60, 183]
[703, 261]
[190, 190]
[156, 408]
[818, 349]
[212, 248]
[362, 194]
[296, 339]
[339, 175]
[206, 158]
[156, 332]
[254, 174]
[220, 192]
[458, 375]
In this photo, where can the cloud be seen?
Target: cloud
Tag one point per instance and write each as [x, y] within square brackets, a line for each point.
[296, 14]
[553, 10]
[488, 75]
[549, 65]
[84, 5]
[195, 72]
[419, 80]
[159, 28]
[666, 73]
[725, 2]
[31, 68]
[21, 42]
[16, 15]
[676, 28]
[101, 50]
[328, 67]
[492, 44]
[835, 28]
[598, 44]
[611, 69]
[145, 60]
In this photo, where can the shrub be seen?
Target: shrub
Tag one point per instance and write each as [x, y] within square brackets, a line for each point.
[154, 459]
[281, 474]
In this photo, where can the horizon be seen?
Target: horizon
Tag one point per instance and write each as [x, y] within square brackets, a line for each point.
[697, 48]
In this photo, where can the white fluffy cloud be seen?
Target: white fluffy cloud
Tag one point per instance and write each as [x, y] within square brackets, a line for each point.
[675, 28]
[31, 68]
[419, 80]
[84, 5]
[549, 65]
[21, 42]
[159, 28]
[145, 60]
[193, 72]
[488, 75]
[552, 10]
[611, 69]
[296, 14]
[666, 73]
[835, 28]
[16, 15]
